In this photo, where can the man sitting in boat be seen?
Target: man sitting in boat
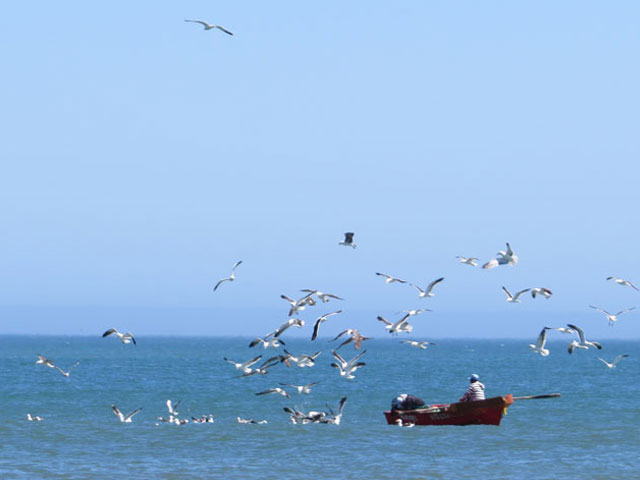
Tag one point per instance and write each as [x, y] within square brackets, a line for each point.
[406, 402]
[475, 391]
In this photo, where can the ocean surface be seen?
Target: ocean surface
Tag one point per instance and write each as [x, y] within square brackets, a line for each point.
[591, 431]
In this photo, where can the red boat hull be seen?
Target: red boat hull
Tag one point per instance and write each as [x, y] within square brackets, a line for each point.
[483, 412]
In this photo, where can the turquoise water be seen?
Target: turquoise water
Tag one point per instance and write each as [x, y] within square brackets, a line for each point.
[590, 432]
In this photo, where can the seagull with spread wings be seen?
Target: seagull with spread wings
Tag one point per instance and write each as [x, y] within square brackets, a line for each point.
[427, 291]
[615, 360]
[209, 26]
[473, 261]
[123, 337]
[514, 298]
[583, 343]
[348, 240]
[354, 336]
[320, 320]
[390, 279]
[503, 258]
[122, 417]
[539, 345]
[545, 292]
[401, 325]
[230, 278]
[324, 297]
[612, 317]
[624, 283]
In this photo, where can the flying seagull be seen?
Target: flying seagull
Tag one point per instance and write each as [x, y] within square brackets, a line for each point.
[267, 341]
[325, 297]
[306, 389]
[624, 283]
[122, 417]
[348, 240]
[48, 363]
[504, 258]
[244, 367]
[124, 337]
[278, 390]
[208, 26]
[230, 278]
[68, 372]
[354, 336]
[347, 368]
[539, 346]
[390, 279]
[612, 318]
[415, 343]
[427, 291]
[400, 326]
[321, 319]
[468, 260]
[173, 407]
[514, 298]
[545, 292]
[615, 360]
[289, 323]
[297, 305]
[583, 343]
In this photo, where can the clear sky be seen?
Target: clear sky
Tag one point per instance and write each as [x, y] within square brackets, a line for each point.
[142, 156]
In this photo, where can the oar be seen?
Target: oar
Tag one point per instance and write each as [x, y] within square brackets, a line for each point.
[535, 397]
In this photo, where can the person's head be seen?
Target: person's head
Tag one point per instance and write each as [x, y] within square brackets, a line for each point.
[474, 378]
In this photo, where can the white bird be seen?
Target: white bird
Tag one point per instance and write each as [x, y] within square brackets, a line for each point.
[347, 368]
[401, 423]
[48, 363]
[624, 283]
[173, 407]
[583, 343]
[400, 326]
[611, 317]
[324, 297]
[208, 26]
[289, 323]
[348, 240]
[122, 417]
[415, 343]
[203, 419]
[267, 341]
[34, 419]
[390, 279]
[539, 346]
[263, 369]
[124, 337]
[468, 260]
[307, 360]
[321, 319]
[278, 390]
[335, 418]
[250, 420]
[427, 292]
[301, 389]
[68, 372]
[615, 360]
[416, 311]
[354, 336]
[504, 258]
[545, 292]
[230, 278]
[244, 367]
[514, 298]
[297, 305]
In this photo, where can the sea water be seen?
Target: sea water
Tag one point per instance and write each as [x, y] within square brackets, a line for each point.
[591, 431]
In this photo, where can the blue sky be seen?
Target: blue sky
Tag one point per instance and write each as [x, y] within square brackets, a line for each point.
[143, 156]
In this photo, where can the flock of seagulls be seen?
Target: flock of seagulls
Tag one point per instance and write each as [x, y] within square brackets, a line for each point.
[346, 368]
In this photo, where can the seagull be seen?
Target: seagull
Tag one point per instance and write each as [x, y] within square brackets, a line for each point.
[504, 258]
[267, 342]
[348, 240]
[583, 343]
[44, 361]
[421, 345]
[250, 420]
[615, 360]
[262, 369]
[122, 417]
[514, 298]
[307, 360]
[401, 423]
[245, 367]
[301, 389]
[124, 337]
[390, 279]
[230, 278]
[34, 419]
[289, 323]
[278, 390]
[348, 368]
[321, 319]
[325, 297]
[468, 260]
[203, 419]
[624, 283]
[427, 292]
[400, 326]
[416, 311]
[208, 26]
[297, 305]
[335, 418]
[539, 346]
[545, 292]
[354, 336]
[173, 407]
[612, 318]
[68, 372]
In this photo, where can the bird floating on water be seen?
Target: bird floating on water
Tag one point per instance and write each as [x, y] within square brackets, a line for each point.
[123, 337]
[209, 26]
[612, 317]
[514, 298]
[504, 258]
[348, 240]
[427, 291]
[615, 360]
[230, 278]
[624, 283]
[250, 420]
[583, 343]
[539, 346]
[34, 419]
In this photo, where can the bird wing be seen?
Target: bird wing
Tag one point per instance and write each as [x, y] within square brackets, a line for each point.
[117, 412]
[416, 287]
[251, 362]
[521, 292]
[224, 30]
[386, 322]
[131, 337]
[491, 264]
[433, 284]
[542, 338]
[618, 358]
[330, 295]
[348, 237]
[205, 24]
[271, 390]
[509, 251]
[316, 328]
[235, 265]
[337, 356]
[600, 310]
[220, 282]
[507, 292]
[133, 413]
[579, 331]
[625, 311]
[383, 275]
[109, 332]
[606, 363]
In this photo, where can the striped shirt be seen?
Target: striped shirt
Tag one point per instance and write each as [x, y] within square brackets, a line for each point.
[474, 393]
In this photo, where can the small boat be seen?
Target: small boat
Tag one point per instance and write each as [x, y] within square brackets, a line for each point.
[482, 412]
